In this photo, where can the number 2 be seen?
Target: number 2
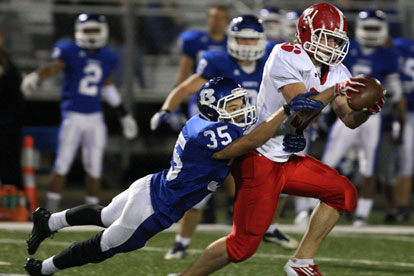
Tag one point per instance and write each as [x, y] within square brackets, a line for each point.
[88, 84]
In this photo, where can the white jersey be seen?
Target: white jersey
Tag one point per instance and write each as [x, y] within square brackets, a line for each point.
[288, 64]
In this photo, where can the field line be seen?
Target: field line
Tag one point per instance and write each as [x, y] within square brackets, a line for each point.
[257, 255]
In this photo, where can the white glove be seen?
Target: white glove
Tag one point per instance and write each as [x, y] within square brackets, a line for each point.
[129, 127]
[158, 118]
[30, 83]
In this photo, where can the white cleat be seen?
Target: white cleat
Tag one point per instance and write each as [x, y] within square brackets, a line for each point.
[281, 239]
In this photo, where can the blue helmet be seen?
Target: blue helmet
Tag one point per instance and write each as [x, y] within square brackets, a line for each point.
[214, 96]
[272, 20]
[250, 27]
[91, 31]
[371, 28]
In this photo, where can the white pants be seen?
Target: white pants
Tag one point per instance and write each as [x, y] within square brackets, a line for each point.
[130, 219]
[366, 138]
[88, 130]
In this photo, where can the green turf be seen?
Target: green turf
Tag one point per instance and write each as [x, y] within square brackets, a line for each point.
[340, 255]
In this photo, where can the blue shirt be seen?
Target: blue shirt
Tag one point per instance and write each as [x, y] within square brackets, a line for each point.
[195, 43]
[406, 49]
[194, 173]
[222, 64]
[84, 75]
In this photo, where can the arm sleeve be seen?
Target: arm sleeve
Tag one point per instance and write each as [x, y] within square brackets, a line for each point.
[187, 44]
[206, 67]
[111, 96]
[283, 68]
[61, 51]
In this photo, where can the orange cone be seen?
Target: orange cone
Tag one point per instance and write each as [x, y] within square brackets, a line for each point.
[28, 168]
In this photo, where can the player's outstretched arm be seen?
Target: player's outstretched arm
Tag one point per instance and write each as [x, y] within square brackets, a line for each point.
[268, 128]
[190, 86]
[31, 81]
[111, 95]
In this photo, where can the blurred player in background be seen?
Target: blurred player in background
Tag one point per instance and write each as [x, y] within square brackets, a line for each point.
[243, 62]
[87, 66]
[273, 24]
[369, 56]
[200, 163]
[314, 64]
[403, 189]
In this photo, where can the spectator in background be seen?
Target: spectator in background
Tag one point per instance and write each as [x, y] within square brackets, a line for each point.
[11, 115]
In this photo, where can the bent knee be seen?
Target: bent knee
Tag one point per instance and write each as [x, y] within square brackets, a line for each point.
[241, 248]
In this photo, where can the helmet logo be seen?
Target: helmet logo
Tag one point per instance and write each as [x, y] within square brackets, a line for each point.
[207, 97]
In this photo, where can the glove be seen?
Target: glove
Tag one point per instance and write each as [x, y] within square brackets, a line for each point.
[349, 86]
[377, 108]
[175, 119]
[303, 102]
[129, 127]
[294, 142]
[30, 83]
[160, 117]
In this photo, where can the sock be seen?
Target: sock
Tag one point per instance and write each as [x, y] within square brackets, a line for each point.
[183, 241]
[312, 202]
[91, 200]
[53, 201]
[58, 221]
[272, 228]
[302, 261]
[301, 204]
[364, 207]
[48, 267]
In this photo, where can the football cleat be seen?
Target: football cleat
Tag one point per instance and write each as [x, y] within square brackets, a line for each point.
[281, 239]
[178, 251]
[293, 269]
[360, 222]
[34, 267]
[40, 230]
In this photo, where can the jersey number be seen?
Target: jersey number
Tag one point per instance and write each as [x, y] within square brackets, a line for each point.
[89, 83]
[221, 133]
[175, 169]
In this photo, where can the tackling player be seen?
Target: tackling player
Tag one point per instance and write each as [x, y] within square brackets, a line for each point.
[313, 64]
[244, 62]
[87, 65]
[206, 145]
[368, 55]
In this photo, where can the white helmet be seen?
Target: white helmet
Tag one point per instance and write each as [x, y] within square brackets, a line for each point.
[272, 20]
[371, 28]
[246, 26]
[91, 31]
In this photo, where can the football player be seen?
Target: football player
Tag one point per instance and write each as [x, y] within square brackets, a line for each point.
[368, 55]
[244, 62]
[312, 64]
[273, 24]
[87, 65]
[200, 163]
[403, 187]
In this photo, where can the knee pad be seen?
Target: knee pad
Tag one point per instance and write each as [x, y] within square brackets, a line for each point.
[87, 214]
[241, 247]
[350, 196]
[80, 253]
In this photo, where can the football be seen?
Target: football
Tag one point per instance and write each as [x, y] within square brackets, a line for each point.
[368, 97]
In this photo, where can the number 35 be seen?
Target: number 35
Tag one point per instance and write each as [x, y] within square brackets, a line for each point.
[222, 134]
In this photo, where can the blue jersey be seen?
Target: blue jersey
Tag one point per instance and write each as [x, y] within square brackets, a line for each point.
[406, 49]
[195, 43]
[194, 173]
[378, 63]
[222, 64]
[84, 75]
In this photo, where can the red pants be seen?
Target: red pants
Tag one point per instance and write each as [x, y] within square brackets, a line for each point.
[259, 182]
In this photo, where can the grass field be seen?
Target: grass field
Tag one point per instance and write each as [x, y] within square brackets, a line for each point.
[342, 254]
